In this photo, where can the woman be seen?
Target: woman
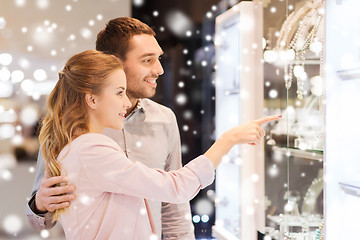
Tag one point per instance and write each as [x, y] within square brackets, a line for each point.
[111, 189]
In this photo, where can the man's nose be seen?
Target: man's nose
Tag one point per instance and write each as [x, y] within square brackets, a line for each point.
[158, 70]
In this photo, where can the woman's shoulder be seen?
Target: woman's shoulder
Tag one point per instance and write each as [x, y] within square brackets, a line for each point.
[95, 140]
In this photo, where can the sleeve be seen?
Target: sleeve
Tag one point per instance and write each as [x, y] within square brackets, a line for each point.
[38, 221]
[108, 169]
[176, 219]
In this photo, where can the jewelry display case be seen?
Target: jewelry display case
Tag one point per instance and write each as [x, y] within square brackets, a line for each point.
[239, 99]
[309, 171]
[295, 145]
[342, 72]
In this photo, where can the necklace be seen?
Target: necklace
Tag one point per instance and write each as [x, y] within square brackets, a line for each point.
[320, 233]
[298, 32]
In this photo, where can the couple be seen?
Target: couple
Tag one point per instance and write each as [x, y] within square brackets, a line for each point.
[113, 194]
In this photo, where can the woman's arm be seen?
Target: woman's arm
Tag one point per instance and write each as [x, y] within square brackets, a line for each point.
[250, 133]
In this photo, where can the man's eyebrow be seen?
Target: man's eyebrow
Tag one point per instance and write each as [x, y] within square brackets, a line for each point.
[150, 54]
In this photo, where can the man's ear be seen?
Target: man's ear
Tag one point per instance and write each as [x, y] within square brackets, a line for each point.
[91, 100]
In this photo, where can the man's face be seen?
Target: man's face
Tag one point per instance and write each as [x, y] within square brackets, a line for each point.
[142, 66]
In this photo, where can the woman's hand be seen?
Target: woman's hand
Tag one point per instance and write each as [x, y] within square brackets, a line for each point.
[250, 132]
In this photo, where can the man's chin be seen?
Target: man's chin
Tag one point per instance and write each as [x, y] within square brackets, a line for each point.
[145, 94]
[149, 94]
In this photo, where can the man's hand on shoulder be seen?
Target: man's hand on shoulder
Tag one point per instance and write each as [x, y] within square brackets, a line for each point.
[50, 197]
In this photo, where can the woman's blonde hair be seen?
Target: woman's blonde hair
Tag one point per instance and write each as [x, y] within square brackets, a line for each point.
[67, 116]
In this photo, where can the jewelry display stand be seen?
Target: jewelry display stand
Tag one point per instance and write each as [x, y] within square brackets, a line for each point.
[342, 178]
[239, 99]
[308, 186]
[294, 150]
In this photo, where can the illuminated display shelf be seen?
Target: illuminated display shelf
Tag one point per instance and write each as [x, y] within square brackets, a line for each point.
[349, 74]
[351, 188]
[305, 154]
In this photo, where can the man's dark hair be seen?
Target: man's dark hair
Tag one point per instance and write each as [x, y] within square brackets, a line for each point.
[114, 38]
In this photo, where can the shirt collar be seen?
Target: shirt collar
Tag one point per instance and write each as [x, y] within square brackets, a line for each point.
[139, 106]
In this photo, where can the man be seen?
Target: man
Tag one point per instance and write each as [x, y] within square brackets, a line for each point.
[150, 134]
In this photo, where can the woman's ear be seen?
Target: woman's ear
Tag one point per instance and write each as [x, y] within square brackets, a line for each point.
[90, 100]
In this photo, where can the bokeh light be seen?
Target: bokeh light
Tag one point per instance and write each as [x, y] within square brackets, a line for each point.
[45, 233]
[17, 76]
[154, 237]
[316, 47]
[27, 85]
[99, 17]
[270, 56]
[7, 131]
[6, 89]
[17, 140]
[4, 74]
[5, 59]
[138, 3]
[204, 207]
[24, 63]
[178, 23]
[40, 75]
[205, 218]
[2, 22]
[273, 93]
[84, 199]
[6, 175]
[29, 116]
[42, 4]
[12, 224]
[196, 218]
[24, 29]
[41, 37]
[273, 171]
[68, 8]
[254, 177]
[184, 148]
[181, 99]
[187, 115]
[20, 3]
[86, 33]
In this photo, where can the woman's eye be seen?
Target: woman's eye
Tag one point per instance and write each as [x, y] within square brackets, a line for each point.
[120, 93]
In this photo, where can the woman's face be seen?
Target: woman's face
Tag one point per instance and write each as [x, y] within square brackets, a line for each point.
[111, 103]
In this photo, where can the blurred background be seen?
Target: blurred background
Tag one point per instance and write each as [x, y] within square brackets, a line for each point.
[38, 36]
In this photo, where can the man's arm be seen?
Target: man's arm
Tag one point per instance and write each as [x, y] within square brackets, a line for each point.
[38, 220]
[44, 199]
[176, 218]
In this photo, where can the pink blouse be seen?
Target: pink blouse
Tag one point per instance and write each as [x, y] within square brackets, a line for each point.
[111, 189]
